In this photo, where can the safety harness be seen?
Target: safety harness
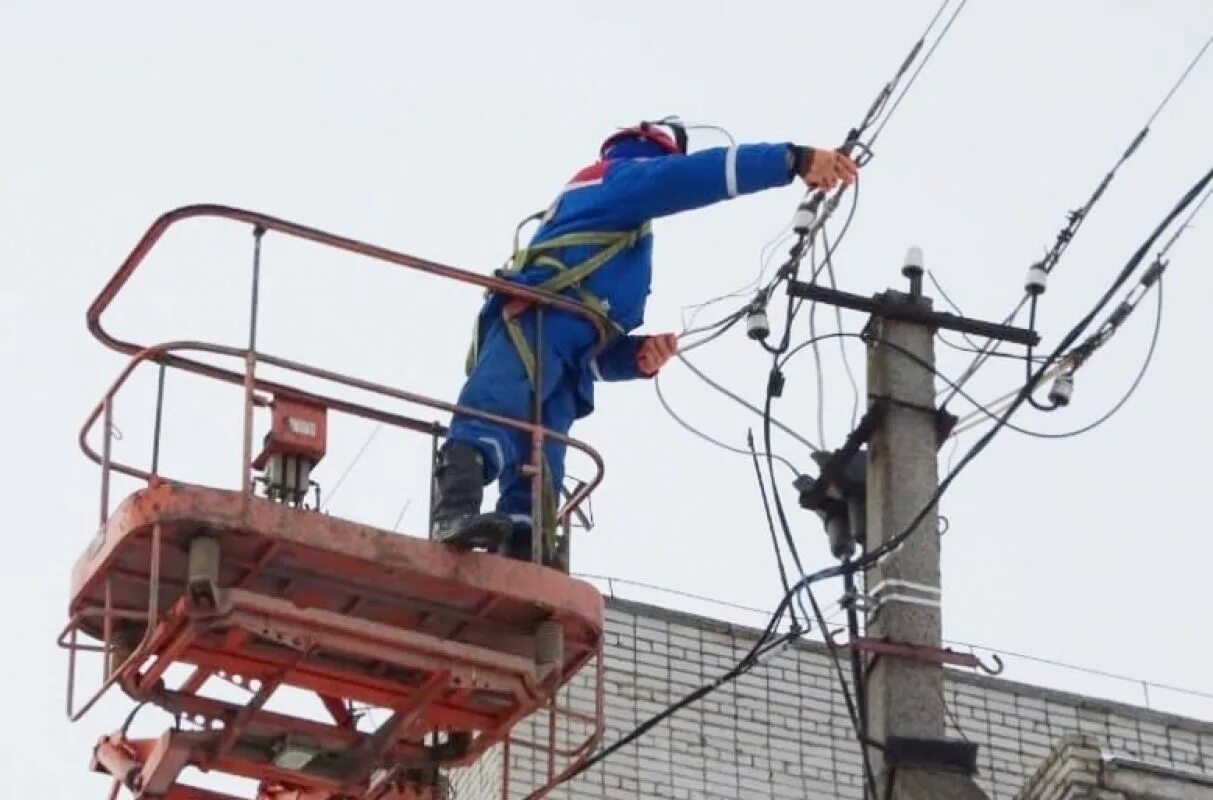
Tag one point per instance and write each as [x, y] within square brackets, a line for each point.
[537, 256]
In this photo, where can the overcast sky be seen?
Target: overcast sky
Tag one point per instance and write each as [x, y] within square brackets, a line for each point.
[433, 128]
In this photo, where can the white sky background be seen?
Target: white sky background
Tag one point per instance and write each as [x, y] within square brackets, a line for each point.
[432, 128]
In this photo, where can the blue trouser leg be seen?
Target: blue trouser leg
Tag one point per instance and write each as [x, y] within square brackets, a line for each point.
[499, 385]
[558, 414]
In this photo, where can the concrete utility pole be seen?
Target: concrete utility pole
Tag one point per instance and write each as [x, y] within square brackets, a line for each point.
[903, 672]
[905, 696]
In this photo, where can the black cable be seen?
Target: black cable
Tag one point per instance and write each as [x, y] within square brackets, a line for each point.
[751, 660]
[721, 389]
[1028, 361]
[781, 514]
[711, 440]
[1076, 218]
[1141, 374]
[979, 406]
[859, 727]
[963, 349]
[816, 197]
[896, 541]
[130, 718]
[918, 69]
[766, 507]
[846, 226]
[850, 596]
[973, 347]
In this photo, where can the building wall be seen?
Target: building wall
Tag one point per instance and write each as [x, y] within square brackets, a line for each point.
[782, 731]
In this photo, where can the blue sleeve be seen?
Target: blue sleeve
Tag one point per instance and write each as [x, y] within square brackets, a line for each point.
[656, 187]
[618, 361]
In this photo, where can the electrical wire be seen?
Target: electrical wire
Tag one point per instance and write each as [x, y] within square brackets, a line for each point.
[1180, 82]
[1075, 219]
[774, 388]
[766, 254]
[752, 659]
[815, 198]
[818, 375]
[889, 546]
[852, 712]
[766, 507]
[400, 516]
[846, 362]
[900, 538]
[960, 348]
[972, 347]
[1137, 380]
[349, 467]
[717, 329]
[918, 69]
[895, 542]
[947, 298]
[1077, 357]
[745, 403]
[786, 272]
[779, 511]
[984, 409]
[712, 440]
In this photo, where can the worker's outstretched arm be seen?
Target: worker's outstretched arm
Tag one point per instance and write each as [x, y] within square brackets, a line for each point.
[632, 357]
[643, 188]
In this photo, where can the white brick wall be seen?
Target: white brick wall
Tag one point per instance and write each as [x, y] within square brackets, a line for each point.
[782, 732]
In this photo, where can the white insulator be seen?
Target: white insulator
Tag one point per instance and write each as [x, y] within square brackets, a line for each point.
[1036, 280]
[802, 221]
[913, 260]
[757, 326]
[1062, 390]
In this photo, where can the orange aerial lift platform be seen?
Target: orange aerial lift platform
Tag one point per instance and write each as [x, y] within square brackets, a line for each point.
[186, 584]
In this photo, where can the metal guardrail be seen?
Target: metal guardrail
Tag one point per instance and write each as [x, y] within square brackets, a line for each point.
[167, 355]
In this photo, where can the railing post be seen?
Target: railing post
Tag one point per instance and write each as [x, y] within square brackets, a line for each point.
[537, 478]
[250, 364]
[159, 420]
[429, 514]
[107, 424]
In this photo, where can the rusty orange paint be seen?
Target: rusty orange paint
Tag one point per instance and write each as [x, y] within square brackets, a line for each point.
[347, 611]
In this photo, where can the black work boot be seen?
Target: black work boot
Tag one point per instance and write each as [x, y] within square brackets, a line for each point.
[518, 547]
[518, 544]
[458, 490]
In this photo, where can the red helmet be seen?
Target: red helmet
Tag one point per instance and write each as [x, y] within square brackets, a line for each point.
[673, 145]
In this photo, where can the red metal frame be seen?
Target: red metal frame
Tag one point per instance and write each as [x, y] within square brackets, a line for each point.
[163, 352]
[262, 223]
[446, 641]
[289, 433]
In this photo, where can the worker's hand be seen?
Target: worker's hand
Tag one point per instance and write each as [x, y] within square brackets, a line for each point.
[828, 168]
[656, 350]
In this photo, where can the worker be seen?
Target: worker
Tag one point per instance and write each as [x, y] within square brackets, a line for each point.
[594, 246]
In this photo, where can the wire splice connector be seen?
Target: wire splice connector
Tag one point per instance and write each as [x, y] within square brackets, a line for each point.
[805, 217]
[757, 325]
[1062, 390]
[1038, 278]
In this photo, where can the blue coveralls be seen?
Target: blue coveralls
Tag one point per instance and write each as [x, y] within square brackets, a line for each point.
[635, 182]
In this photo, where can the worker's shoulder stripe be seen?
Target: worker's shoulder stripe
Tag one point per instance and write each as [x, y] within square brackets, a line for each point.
[589, 176]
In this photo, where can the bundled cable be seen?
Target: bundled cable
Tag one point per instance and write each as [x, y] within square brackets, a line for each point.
[1063, 371]
[1039, 273]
